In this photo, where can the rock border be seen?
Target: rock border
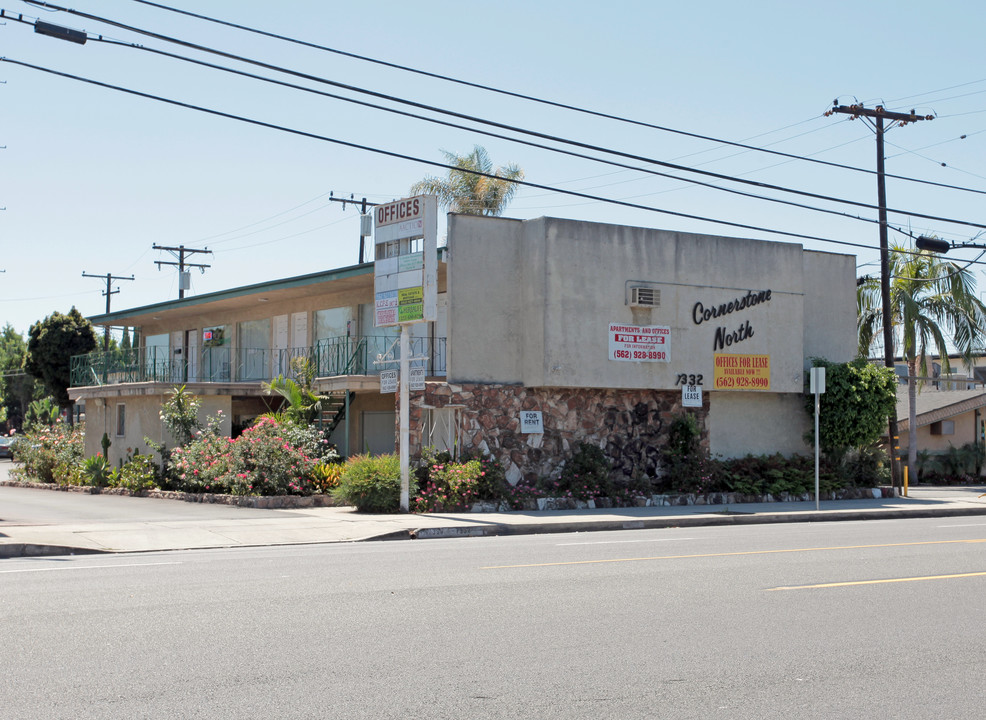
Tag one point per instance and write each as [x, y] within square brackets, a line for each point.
[273, 502]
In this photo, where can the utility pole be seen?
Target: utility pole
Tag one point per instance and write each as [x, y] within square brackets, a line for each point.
[365, 221]
[107, 293]
[180, 252]
[876, 116]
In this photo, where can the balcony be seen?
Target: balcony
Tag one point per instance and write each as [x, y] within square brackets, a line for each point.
[332, 357]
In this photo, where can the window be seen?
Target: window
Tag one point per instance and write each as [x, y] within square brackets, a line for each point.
[943, 427]
[441, 430]
[121, 420]
[253, 337]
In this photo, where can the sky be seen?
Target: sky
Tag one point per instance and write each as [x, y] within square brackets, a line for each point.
[92, 178]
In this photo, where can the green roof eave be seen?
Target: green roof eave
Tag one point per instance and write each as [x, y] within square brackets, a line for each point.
[269, 286]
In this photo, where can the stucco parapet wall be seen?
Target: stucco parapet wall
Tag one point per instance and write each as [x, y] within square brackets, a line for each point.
[156, 389]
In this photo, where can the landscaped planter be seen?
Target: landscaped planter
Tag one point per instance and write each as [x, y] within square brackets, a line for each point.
[683, 499]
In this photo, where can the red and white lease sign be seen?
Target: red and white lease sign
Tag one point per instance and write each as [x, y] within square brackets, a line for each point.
[639, 343]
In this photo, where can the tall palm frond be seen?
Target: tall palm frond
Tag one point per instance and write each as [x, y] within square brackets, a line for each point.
[466, 191]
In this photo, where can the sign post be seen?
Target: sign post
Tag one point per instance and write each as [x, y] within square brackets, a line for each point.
[816, 385]
[405, 291]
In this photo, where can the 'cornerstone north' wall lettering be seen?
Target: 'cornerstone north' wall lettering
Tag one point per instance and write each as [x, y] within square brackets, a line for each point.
[700, 313]
[723, 337]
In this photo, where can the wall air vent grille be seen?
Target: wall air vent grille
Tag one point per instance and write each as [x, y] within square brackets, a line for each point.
[645, 297]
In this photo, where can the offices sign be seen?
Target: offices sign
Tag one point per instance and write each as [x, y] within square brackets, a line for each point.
[406, 261]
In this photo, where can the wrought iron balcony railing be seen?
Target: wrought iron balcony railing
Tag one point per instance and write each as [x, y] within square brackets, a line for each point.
[330, 357]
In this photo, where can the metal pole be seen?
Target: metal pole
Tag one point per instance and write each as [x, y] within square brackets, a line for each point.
[405, 417]
[817, 408]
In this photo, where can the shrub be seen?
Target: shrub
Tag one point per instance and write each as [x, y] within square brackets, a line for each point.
[325, 476]
[204, 465]
[371, 483]
[687, 466]
[585, 475]
[180, 415]
[97, 471]
[264, 462]
[138, 474]
[51, 454]
[449, 486]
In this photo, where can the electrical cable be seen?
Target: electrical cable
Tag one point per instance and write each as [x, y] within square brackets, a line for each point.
[573, 108]
[489, 133]
[545, 136]
[432, 163]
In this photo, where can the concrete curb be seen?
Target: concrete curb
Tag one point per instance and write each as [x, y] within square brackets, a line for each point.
[710, 520]
[13, 550]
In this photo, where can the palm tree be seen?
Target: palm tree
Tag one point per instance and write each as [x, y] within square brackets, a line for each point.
[301, 403]
[468, 192]
[933, 303]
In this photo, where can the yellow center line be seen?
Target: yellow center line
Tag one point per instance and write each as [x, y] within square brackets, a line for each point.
[731, 554]
[878, 582]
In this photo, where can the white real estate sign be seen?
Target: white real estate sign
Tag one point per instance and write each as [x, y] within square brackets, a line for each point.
[406, 261]
[388, 381]
[639, 343]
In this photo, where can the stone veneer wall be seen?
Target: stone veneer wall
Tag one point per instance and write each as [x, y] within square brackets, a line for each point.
[630, 425]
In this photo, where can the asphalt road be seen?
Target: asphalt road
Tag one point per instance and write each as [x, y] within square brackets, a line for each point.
[847, 620]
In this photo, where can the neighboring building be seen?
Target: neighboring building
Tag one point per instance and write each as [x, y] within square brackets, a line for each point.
[596, 327]
[944, 418]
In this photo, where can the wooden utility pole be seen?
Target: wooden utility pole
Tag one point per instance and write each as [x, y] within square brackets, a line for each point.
[876, 117]
[107, 293]
[180, 252]
[364, 228]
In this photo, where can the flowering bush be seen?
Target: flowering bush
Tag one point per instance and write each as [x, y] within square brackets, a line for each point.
[273, 457]
[265, 462]
[51, 454]
[204, 465]
[450, 486]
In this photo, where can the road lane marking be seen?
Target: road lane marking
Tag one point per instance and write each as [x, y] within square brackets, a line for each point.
[83, 567]
[877, 582]
[732, 554]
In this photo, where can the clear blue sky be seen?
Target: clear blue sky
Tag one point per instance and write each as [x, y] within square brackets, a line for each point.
[92, 178]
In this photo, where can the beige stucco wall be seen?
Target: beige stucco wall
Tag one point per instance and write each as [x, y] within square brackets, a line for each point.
[965, 432]
[757, 424]
[530, 303]
[539, 297]
[830, 306]
[142, 420]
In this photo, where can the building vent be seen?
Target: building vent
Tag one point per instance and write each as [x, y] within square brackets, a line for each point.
[645, 297]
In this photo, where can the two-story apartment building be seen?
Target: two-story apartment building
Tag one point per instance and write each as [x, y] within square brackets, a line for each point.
[550, 332]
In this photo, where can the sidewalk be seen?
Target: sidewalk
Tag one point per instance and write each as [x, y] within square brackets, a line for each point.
[56, 523]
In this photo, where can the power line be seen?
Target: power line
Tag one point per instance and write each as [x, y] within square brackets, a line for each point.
[528, 143]
[546, 136]
[432, 163]
[522, 96]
